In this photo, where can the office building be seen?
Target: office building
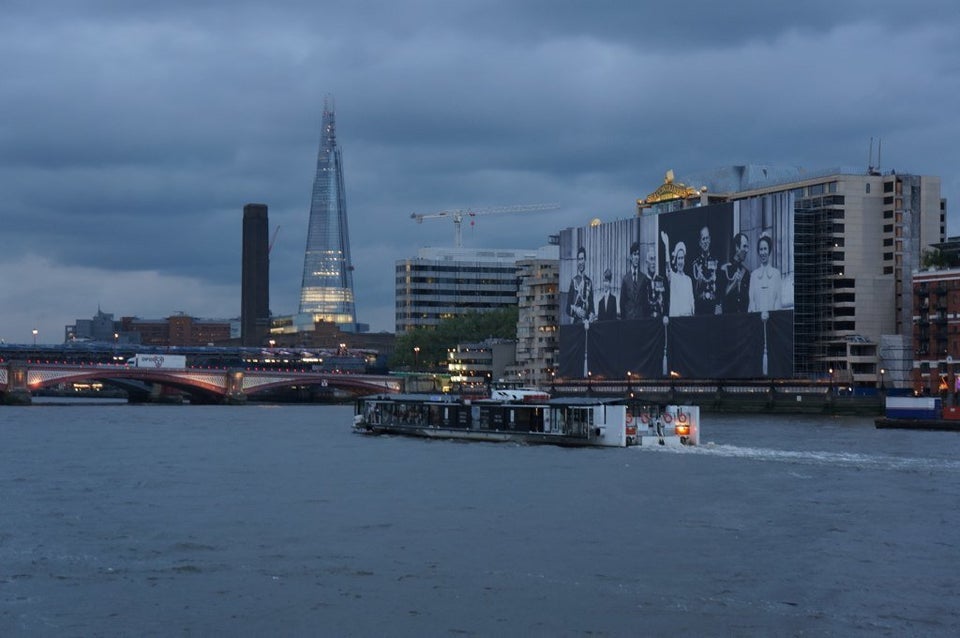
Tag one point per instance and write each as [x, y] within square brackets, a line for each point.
[326, 292]
[255, 284]
[440, 283]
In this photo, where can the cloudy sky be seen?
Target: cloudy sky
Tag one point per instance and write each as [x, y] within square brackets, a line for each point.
[132, 134]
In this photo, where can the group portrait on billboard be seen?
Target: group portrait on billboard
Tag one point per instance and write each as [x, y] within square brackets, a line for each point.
[704, 292]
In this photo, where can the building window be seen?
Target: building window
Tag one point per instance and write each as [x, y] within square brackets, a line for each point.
[888, 187]
[888, 228]
[888, 241]
[867, 188]
[887, 256]
[888, 214]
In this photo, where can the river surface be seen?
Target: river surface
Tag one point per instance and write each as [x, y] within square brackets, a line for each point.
[140, 520]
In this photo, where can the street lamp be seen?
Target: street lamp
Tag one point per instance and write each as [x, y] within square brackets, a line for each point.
[883, 372]
[416, 356]
[35, 333]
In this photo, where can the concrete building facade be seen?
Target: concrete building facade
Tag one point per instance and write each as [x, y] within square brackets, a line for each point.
[538, 319]
[859, 237]
[441, 283]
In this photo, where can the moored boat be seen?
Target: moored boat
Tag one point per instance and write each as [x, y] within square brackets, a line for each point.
[529, 417]
[918, 413]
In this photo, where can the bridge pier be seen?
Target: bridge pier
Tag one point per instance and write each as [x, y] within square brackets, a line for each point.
[233, 384]
[17, 391]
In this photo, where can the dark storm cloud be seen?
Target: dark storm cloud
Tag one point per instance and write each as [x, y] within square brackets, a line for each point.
[133, 133]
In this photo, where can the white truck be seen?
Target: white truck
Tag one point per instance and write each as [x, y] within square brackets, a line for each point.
[158, 361]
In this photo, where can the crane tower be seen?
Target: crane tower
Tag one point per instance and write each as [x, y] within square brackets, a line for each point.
[458, 215]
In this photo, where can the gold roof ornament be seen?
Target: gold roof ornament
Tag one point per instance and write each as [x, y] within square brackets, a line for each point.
[668, 190]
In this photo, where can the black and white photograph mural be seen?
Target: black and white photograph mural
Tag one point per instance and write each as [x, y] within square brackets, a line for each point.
[702, 293]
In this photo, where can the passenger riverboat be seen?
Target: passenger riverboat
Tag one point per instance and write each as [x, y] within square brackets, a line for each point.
[529, 417]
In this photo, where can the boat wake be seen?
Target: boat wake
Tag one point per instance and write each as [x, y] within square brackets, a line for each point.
[815, 457]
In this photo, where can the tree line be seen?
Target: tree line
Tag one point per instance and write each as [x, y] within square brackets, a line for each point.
[433, 343]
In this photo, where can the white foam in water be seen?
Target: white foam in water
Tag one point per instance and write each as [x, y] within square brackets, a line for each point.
[813, 457]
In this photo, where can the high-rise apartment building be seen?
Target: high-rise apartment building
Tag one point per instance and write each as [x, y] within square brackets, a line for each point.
[326, 291]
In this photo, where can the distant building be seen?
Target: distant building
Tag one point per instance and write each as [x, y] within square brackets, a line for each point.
[479, 364]
[176, 330]
[831, 256]
[538, 318]
[326, 292]
[440, 283]
[180, 330]
[936, 331]
[292, 331]
[255, 277]
[102, 327]
[859, 237]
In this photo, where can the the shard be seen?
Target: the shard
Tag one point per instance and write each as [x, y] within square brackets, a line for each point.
[327, 288]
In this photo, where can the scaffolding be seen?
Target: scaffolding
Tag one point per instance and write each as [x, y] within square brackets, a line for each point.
[814, 287]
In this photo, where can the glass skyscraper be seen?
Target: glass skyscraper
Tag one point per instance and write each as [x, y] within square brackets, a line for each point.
[327, 289]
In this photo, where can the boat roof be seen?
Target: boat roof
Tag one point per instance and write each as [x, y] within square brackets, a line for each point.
[454, 398]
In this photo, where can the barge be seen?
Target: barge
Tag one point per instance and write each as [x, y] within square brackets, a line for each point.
[529, 417]
[918, 413]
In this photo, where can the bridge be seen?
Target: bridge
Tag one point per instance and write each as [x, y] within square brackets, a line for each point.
[18, 379]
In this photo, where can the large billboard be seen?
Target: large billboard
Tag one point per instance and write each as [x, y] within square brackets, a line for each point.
[703, 293]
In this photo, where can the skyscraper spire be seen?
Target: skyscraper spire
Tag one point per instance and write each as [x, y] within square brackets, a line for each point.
[327, 288]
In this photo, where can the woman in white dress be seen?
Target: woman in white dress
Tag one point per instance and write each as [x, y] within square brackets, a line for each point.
[765, 281]
[681, 286]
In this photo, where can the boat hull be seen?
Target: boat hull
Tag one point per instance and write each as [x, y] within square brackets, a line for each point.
[945, 425]
[526, 438]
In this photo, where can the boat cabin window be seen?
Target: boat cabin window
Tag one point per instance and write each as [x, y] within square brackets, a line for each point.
[577, 421]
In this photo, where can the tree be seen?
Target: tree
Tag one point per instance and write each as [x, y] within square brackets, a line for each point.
[935, 258]
[435, 342]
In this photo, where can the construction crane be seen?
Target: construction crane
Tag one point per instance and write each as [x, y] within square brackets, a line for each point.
[272, 240]
[458, 215]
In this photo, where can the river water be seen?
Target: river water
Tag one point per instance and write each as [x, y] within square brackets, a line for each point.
[140, 520]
